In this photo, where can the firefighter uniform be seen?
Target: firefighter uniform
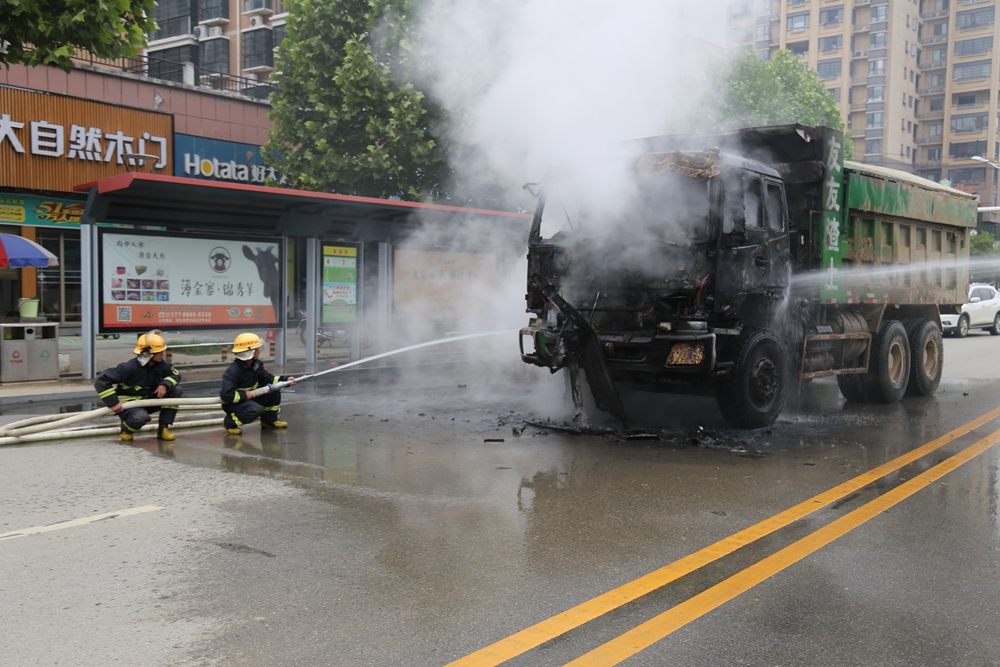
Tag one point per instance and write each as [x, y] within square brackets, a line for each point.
[240, 378]
[133, 380]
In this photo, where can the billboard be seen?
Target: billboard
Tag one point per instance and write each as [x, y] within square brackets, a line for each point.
[219, 160]
[153, 280]
[442, 285]
[340, 283]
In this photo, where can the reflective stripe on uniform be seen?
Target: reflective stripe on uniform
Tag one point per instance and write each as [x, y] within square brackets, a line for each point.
[172, 381]
[106, 393]
[236, 420]
[271, 408]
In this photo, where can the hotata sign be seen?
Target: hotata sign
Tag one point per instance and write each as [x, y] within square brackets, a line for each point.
[217, 160]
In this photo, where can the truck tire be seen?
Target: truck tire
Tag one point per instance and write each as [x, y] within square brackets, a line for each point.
[962, 328]
[853, 387]
[927, 355]
[889, 367]
[753, 394]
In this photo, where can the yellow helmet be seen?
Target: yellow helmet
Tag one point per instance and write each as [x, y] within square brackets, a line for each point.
[246, 343]
[151, 343]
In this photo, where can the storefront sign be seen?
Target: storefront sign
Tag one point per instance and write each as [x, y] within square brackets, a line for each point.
[340, 283]
[150, 281]
[53, 142]
[40, 211]
[198, 157]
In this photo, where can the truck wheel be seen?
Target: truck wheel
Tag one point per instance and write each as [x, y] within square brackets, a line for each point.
[962, 330]
[754, 393]
[853, 387]
[927, 354]
[889, 367]
[995, 329]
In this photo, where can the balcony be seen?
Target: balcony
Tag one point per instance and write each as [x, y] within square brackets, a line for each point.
[861, 80]
[860, 28]
[213, 12]
[929, 140]
[934, 64]
[973, 130]
[167, 28]
[928, 165]
[258, 7]
[859, 3]
[934, 15]
[859, 54]
[930, 115]
[935, 39]
[858, 106]
[930, 91]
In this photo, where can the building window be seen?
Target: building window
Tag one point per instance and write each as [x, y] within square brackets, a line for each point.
[836, 93]
[933, 154]
[936, 105]
[876, 67]
[798, 21]
[215, 55]
[970, 122]
[258, 48]
[831, 44]
[281, 31]
[966, 149]
[874, 120]
[829, 69]
[742, 33]
[799, 48]
[251, 5]
[873, 146]
[974, 18]
[880, 13]
[831, 16]
[877, 40]
[764, 54]
[935, 129]
[973, 47]
[967, 176]
[740, 10]
[937, 79]
[174, 17]
[940, 29]
[213, 9]
[937, 55]
[168, 64]
[979, 69]
[962, 101]
[875, 93]
[796, 3]
[764, 32]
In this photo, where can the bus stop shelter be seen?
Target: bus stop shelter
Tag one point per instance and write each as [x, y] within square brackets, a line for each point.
[179, 207]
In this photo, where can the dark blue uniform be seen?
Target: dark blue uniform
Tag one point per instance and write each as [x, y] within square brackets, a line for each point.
[240, 378]
[131, 381]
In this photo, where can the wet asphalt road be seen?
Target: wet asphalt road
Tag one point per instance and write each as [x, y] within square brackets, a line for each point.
[384, 528]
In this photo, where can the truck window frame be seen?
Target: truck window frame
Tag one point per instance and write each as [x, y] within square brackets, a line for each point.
[775, 188]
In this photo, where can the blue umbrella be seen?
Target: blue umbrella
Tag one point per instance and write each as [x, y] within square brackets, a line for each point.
[17, 252]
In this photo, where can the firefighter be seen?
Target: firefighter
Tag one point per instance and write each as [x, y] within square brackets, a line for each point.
[146, 375]
[246, 373]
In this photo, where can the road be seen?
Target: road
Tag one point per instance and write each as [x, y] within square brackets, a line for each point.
[390, 526]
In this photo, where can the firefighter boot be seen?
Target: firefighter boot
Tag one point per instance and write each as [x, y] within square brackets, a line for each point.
[274, 424]
[126, 435]
[165, 434]
[234, 431]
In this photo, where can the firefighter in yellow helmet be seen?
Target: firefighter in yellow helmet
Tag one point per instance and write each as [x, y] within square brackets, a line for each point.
[144, 376]
[246, 373]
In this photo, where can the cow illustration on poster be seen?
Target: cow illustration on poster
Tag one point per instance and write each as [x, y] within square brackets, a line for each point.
[267, 268]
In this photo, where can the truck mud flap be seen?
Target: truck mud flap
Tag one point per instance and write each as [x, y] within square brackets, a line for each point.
[599, 377]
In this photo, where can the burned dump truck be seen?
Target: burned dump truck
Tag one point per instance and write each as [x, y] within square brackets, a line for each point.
[743, 264]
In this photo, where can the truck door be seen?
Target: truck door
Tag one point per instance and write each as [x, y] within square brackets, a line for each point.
[778, 240]
[743, 267]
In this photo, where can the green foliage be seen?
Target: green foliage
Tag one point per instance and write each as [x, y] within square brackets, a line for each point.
[986, 268]
[750, 92]
[48, 32]
[345, 119]
[983, 243]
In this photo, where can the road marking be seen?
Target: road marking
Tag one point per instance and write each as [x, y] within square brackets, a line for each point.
[655, 629]
[552, 627]
[78, 522]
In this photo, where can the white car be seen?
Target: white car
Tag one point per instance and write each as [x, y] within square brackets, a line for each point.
[982, 312]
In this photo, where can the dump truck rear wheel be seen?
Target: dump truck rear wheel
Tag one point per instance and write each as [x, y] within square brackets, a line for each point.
[927, 355]
[853, 387]
[753, 395]
[889, 369]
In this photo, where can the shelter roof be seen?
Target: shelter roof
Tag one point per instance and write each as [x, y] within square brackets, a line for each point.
[178, 203]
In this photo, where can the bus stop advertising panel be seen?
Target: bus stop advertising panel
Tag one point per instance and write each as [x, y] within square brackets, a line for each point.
[151, 280]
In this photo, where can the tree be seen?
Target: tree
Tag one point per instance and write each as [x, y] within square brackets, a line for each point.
[48, 32]
[750, 91]
[985, 258]
[345, 118]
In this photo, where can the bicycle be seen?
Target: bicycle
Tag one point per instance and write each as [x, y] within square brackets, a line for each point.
[323, 335]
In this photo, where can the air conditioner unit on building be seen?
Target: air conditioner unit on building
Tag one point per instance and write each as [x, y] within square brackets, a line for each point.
[860, 54]
[256, 21]
[197, 31]
[215, 31]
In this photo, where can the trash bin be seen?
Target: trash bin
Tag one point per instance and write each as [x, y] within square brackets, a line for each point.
[29, 352]
[27, 307]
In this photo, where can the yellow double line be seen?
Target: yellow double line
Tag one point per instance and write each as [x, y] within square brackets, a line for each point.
[655, 629]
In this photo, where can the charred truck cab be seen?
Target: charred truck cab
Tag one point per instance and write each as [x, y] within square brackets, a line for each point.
[738, 264]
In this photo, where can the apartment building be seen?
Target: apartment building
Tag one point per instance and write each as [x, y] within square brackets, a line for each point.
[916, 80]
[199, 40]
